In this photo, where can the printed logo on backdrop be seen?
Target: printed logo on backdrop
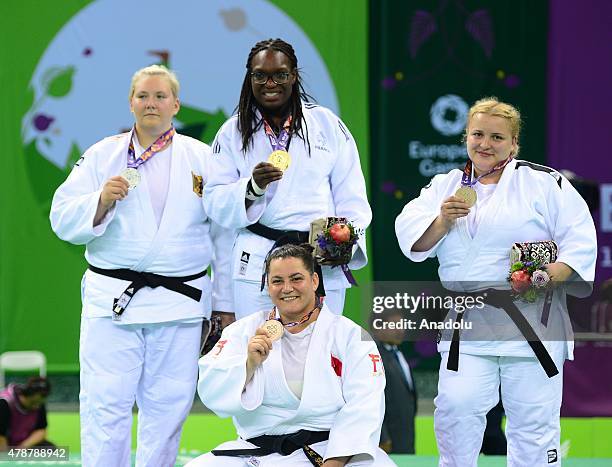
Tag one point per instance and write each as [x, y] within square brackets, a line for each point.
[80, 86]
[448, 115]
[442, 47]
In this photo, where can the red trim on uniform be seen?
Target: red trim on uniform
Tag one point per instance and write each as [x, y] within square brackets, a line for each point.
[336, 365]
[220, 346]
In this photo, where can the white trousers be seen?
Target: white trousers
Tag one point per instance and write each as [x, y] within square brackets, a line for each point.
[532, 402]
[296, 459]
[155, 365]
[249, 298]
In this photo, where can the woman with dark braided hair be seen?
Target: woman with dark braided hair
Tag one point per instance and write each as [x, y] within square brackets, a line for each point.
[279, 164]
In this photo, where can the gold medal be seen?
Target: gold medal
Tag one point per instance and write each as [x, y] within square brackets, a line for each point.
[132, 176]
[280, 159]
[275, 329]
[467, 194]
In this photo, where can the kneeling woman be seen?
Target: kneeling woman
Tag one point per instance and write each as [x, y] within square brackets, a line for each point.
[303, 385]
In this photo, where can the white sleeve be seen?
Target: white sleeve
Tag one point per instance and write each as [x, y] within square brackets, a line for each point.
[416, 217]
[75, 203]
[574, 232]
[223, 243]
[223, 374]
[356, 428]
[225, 191]
[349, 191]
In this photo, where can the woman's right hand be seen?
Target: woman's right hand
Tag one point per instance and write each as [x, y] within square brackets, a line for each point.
[265, 173]
[258, 349]
[452, 209]
[115, 189]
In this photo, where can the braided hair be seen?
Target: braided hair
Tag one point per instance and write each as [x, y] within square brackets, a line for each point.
[247, 119]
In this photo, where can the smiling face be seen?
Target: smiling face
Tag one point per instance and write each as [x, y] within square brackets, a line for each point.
[270, 96]
[153, 105]
[292, 287]
[489, 142]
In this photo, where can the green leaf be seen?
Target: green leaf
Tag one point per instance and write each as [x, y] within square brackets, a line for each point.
[530, 295]
[61, 83]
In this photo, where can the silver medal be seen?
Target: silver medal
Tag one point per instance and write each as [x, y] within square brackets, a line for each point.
[132, 176]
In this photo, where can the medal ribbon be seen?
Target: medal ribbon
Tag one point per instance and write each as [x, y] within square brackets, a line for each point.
[280, 142]
[467, 172]
[305, 318]
[156, 147]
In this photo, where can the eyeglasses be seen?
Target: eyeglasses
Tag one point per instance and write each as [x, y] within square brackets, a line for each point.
[279, 77]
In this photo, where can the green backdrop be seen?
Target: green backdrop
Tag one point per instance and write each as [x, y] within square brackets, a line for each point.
[39, 274]
[422, 52]
[429, 62]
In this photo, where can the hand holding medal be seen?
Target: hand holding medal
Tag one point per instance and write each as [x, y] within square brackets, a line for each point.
[132, 176]
[467, 194]
[274, 329]
[115, 189]
[260, 344]
[280, 159]
[259, 348]
[271, 331]
[466, 191]
[265, 173]
[452, 209]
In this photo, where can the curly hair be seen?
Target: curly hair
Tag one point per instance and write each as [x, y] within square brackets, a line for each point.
[248, 123]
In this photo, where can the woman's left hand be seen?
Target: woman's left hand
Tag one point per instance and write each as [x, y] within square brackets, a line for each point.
[559, 272]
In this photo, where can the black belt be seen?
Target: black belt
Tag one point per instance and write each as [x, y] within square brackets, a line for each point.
[284, 237]
[148, 279]
[502, 299]
[281, 444]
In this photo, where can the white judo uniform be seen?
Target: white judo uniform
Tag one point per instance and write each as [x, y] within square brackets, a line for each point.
[151, 354]
[530, 203]
[326, 182]
[343, 392]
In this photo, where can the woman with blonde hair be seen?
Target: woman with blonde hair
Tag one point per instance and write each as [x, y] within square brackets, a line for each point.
[135, 201]
[470, 220]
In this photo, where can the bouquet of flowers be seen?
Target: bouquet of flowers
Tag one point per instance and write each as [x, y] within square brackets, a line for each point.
[335, 243]
[528, 279]
[333, 239]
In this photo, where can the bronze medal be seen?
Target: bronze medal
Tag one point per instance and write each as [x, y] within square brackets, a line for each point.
[132, 176]
[467, 194]
[280, 159]
[275, 329]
